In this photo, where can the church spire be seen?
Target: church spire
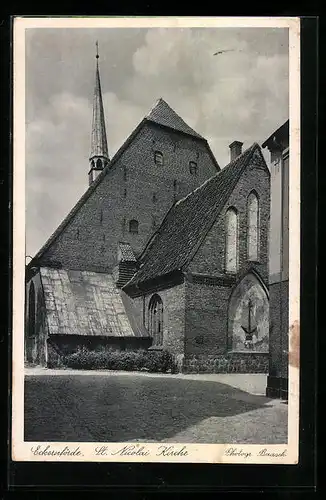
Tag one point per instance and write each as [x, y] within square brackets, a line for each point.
[99, 156]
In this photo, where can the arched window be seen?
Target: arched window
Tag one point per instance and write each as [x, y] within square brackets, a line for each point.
[31, 311]
[158, 158]
[93, 164]
[155, 319]
[98, 163]
[133, 226]
[231, 251]
[193, 168]
[253, 227]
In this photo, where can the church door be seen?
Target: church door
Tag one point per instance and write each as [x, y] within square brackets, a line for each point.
[155, 320]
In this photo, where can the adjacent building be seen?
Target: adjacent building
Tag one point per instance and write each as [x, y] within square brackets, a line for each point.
[278, 146]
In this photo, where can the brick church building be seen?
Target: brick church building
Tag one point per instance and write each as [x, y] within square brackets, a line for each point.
[165, 250]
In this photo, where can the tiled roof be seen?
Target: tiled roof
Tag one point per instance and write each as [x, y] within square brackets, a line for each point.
[189, 220]
[166, 116]
[282, 131]
[87, 303]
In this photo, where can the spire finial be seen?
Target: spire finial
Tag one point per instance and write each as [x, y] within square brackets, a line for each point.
[97, 56]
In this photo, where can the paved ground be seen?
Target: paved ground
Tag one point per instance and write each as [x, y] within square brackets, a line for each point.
[124, 406]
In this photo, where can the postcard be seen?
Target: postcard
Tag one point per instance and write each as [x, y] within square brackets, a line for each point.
[156, 201]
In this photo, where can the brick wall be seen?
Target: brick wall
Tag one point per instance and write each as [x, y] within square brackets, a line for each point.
[206, 319]
[173, 319]
[210, 258]
[135, 188]
[207, 306]
[227, 363]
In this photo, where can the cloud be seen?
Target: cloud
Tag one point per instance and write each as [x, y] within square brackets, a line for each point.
[240, 95]
[57, 147]
[236, 95]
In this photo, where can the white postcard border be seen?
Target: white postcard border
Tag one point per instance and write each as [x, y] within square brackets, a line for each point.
[150, 452]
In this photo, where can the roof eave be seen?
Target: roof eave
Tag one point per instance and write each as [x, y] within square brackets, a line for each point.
[277, 133]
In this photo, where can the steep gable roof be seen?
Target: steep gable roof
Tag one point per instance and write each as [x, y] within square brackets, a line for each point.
[163, 114]
[279, 134]
[189, 220]
[88, 303]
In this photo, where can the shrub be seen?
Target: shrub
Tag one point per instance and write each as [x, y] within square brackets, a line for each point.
[110, 359]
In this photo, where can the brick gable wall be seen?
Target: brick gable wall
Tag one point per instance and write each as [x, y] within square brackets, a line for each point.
[135, 188]
[210, 258]
[209, 288]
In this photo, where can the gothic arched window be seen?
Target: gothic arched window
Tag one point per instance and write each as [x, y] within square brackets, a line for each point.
[31, 311]
[133, 226]
[231, 250]
[158, 158]
[99, 163]
[253, 227]
[155, 319]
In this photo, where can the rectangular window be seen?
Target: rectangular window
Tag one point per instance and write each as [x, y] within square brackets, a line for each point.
[158, 158]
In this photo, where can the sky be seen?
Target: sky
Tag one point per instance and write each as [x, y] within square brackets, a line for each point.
[238, 95]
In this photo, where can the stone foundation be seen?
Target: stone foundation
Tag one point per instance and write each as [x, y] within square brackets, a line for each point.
[227, 363]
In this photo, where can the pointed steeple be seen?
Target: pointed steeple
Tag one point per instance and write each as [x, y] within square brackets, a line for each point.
[99, 156]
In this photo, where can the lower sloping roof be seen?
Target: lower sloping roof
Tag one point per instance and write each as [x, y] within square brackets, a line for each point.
[87, 303]
[189, 220]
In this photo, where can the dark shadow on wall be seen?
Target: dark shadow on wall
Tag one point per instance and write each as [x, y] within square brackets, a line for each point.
[117, 408]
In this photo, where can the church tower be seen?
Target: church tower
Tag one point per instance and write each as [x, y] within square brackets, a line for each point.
[99, 157]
